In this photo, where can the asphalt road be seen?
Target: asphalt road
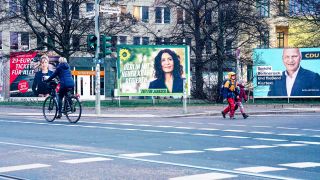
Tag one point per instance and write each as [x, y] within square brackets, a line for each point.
[204, 147]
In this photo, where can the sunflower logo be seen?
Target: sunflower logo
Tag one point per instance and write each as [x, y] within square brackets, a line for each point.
[124, 54]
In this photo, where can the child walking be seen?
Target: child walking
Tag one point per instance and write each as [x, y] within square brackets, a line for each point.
[242, 96]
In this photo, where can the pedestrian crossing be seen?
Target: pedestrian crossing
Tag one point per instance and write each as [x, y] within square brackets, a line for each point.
[232, 173]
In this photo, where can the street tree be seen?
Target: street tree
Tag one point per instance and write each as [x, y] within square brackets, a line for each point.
[306, 14]
[62, 26]
[215, 29]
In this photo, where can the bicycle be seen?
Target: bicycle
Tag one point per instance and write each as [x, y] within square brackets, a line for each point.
[71, 105]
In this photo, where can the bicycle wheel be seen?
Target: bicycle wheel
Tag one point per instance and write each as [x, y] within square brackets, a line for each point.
[50, 109]
[74, 113]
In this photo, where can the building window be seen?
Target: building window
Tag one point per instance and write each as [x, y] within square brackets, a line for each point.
[209, 46]
[0, 40]
[158, 41]
[25, 41]
[141, 13]
[75, 10]
[76, 42]
[188, 41]
[40, 41]
[229, 47]
[145, 40]
[282, 6]
[13, 7]
[114, 42]
[280, 39]
[136, 40]
[264, 39]
[208, 17]
[65, 8]
[162, 15]
[179, 16]
[263, 8]
[14, 40]
[90, 7]
[123, 39]
[50, 8]
[166, 41]
[145, 13]
[50, 41]
[40, 7]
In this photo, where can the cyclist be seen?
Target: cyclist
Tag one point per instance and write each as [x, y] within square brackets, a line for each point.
[66, 81]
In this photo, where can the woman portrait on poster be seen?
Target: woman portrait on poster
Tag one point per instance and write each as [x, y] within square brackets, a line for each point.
[168, 72]
[40, 88]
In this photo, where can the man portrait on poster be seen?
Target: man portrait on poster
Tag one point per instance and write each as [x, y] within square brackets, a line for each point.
[295, 80]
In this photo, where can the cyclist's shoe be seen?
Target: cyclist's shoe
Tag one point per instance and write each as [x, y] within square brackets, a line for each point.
[59, 116]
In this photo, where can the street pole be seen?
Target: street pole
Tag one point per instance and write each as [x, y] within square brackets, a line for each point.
[96, 56]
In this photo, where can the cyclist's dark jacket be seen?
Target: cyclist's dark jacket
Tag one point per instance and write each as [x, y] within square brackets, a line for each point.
[64, 73]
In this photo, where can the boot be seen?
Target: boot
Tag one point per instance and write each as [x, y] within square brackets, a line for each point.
[223, 114]
[232, 117]
[59, 116]
[245, 116]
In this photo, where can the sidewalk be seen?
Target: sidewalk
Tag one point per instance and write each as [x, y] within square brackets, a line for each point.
[170, 112]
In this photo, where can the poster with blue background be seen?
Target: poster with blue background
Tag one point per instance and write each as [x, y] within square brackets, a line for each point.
[286, 72]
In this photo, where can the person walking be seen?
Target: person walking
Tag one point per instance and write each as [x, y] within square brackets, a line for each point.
[240, 98]
[229, 94]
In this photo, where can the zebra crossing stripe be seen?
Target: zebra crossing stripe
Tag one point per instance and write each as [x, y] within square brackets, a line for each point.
[22, 167]
[85, 160]
[260, 169]
[301, 164]
[207, 176]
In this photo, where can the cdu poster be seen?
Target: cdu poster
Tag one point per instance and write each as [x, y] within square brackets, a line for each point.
[286, 72]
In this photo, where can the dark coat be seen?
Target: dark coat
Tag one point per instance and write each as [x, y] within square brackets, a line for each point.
[38, 86]
[160, 84]
[307, 83]
[65, 77]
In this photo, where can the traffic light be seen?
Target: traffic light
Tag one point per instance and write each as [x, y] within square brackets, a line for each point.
[92, 42]
[105, 45]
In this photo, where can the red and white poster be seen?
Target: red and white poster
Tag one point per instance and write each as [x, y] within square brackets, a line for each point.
[23, 68]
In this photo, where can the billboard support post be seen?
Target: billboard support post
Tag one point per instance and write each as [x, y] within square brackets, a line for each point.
[184, 96]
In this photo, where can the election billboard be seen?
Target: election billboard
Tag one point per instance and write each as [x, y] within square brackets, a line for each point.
[26, 72]
[153, 70]
[286, 72]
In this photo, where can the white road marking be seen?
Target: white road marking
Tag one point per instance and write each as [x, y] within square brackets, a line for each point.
[290, 145]
[290, 128]
[301, 164]
[268, 139]
[164, 126]
[184, 127]
[258, 146]
[233, 130]
[208, 129]
[318, 136]
[150, 130]
[316, 130]
[260, 169]
[207, 176]
[202, 134]
[263, 126]
[85, 160]
[139, 154]
[237, 137]
[22, 167]
[173, 132]
[147, 160]
[291, 134]
[223, 149]
[182, 152]
[261, 132]
[307, 142]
